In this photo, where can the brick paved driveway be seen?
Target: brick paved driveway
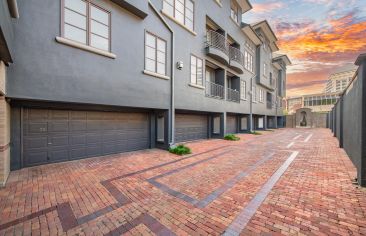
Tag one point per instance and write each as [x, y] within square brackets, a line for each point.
[283, 182]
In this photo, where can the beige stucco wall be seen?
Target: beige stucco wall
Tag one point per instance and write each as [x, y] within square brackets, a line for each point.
[4, 129]
[2, 78]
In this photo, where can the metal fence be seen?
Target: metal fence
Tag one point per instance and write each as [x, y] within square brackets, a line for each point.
[215, 90]
[217, 40]
[233, 95]
[347, 120]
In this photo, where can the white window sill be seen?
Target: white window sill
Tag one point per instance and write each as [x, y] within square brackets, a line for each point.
[84, 47]
[196, 86]
[146, 72]
[218, 3]
[177, 22]
[243, 99]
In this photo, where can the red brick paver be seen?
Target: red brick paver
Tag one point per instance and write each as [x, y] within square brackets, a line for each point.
[210, 192]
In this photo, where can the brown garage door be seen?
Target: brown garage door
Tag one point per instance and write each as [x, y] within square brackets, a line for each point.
[60, 135]
[231, 125]
[190, 127]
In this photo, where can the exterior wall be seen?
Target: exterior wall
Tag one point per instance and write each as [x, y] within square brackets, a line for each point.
[6, 27]
[348, 120]
[46, 70]
[2, 78]
[314, 119]
[4, 140]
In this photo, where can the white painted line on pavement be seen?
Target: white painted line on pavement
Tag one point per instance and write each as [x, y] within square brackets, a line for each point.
[298, 136]
[308, 137]
[292, 143]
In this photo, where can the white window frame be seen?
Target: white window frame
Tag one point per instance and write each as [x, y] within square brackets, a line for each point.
[234, 13]
[265, 69]
[192, 80]
[89, 19]
[172, 4]
[155, 60]
[261, 95]
[248, 61]
[254, 93]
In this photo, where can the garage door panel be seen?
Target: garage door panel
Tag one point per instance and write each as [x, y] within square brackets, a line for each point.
[78, 152]
[231, 124]
[58, 126]
[191, 127]
[62, 140]
[94, 150]
[77, 139]
[58, 154]
[36, 128]
[69, 135]
[77, 125]
[35, 142]
[36, 157]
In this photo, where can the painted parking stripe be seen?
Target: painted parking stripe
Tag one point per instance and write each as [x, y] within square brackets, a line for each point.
[308, 138]
[298, 136]
[241, 221]
[290, 144]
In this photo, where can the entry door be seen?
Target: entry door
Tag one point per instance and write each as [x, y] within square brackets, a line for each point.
[260, 123]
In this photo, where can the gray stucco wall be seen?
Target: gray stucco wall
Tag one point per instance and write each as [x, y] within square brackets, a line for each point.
[6, 25]
[47, 70]
[353, 124]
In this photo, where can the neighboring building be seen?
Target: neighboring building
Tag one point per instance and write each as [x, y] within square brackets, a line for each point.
[108, 76]
[317, 102]
[340, 79]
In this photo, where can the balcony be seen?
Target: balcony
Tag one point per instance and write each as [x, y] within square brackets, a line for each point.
[236, 60]
[217, 47]
[232, 95]
[214, 90]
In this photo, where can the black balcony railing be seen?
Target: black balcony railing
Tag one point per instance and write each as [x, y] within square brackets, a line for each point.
[214, 90]
[236, 55]
[232, 95]
[218, 41]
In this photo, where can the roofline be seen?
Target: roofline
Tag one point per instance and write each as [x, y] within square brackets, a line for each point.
[270, 28]
[360, 58]
[283, 57]
[248, 8]
[13, 8]
[244, 26]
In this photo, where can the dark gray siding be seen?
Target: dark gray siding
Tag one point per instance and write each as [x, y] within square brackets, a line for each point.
[47, 70]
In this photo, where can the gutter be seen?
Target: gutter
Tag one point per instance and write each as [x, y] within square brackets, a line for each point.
[251, 103]
[172, 91]
[13, 8]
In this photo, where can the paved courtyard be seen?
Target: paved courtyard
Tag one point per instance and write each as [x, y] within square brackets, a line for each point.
[289, 181]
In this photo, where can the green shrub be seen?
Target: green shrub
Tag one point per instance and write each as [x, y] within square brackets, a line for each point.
[255, 133]
[231, 137]
[180, 150]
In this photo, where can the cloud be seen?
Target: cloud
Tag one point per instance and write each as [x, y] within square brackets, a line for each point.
[266, 7]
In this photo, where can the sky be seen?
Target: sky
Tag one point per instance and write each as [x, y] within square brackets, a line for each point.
[319, 36]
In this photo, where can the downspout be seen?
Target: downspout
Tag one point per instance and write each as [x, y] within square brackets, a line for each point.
[172, 92]
[251, 103]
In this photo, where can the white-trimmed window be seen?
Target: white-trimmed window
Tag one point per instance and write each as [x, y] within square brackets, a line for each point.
[234, 11]
[155, 54]
[86, 23]
[243, 89]
[264, 69]
[181, 10]
[261, 95]
[248, 61]
[196, 71]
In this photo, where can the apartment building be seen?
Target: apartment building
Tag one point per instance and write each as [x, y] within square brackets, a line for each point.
[339, 80]
[87, 78]
[320, 102]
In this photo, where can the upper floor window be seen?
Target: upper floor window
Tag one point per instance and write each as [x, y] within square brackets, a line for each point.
[261, 95]
[243, 89]
[196, 70]
[86, 23]
[155, 54]
[248, 61]
[264, 69]
[181, 10]
[234, 11]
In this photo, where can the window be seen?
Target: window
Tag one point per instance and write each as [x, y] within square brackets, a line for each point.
[248, 61]
[264, 69]
[181, 10]
[160, 128]
[234, 11]
[244, 123]
[86, 23]
[155, 54]
[196, 70]
[243, 90]
[261, 95]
